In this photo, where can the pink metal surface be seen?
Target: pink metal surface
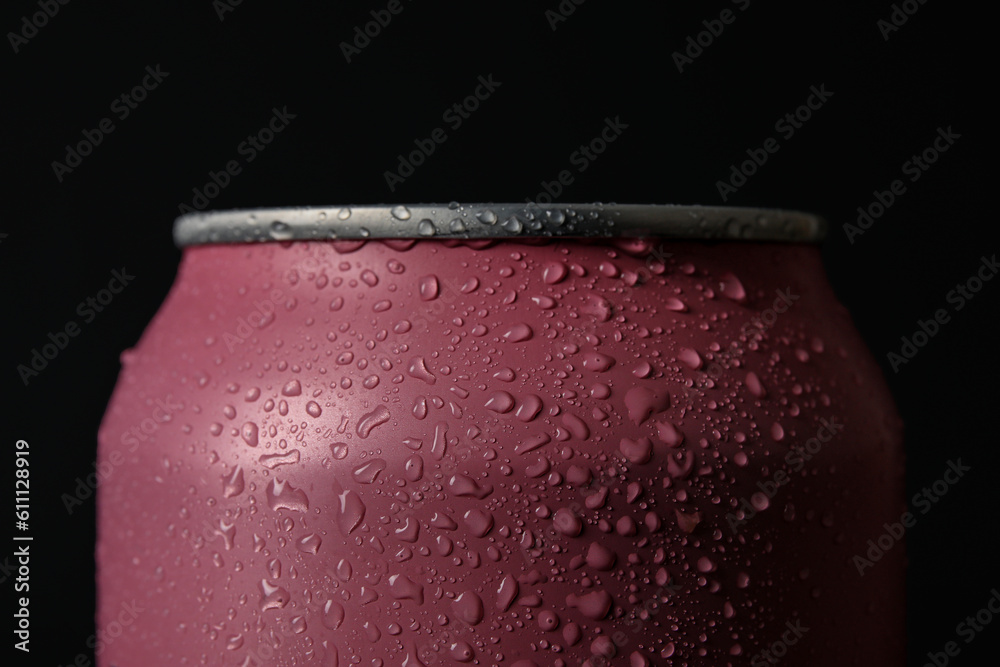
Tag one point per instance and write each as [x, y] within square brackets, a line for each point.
[420, 452]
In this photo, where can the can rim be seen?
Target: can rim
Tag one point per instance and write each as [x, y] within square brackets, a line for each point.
[497, 221]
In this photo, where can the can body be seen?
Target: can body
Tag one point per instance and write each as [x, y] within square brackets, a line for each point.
[421, 452]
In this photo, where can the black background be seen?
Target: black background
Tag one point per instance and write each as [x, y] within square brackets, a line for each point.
[61, 240]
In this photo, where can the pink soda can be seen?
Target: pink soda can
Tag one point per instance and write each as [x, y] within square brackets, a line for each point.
[500, 435]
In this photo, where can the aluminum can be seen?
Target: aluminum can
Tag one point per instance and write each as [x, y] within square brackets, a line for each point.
[501, 435]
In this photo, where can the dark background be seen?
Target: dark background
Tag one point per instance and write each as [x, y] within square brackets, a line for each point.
[59, 241]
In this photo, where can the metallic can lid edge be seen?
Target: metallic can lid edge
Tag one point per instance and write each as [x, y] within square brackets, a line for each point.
[497, 221]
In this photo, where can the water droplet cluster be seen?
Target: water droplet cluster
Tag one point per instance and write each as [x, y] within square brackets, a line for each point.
[402, 453]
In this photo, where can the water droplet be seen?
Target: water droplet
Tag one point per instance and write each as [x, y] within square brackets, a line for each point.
[443, 521]
[637, 451]
[594, 605]
[732, 288]
[554, 272]
[272, 461]
[690, 358]
[350, 511]
[529, 408]
[400, 212]
[410, 530]
[480, 522]
[600, 557]
[548, 620]
[595, 361]
[567, 522]
[469, 607]
[228, 533]
[603, 648]
[643, 402]
[576, 426]
[367, 472]
[232, 484]
[507, 592]
[249, 434]
[461, 651]
[419, 407]
[418, 369]
[500, 401]
[777, 432]
[669, 434]
[272, 596]
[688, 521]
[428, 287]
[280, 231]
[755, 386]
[675, 304]
[373, 419]
[572, 634]
[283, 496]
[518, 333]
[402, 587]
[414, 468]
[309, 544]
[466, 487]
[292, 388]
[333, 614]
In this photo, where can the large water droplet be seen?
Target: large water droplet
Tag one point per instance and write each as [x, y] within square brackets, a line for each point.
[249, 433]
[469, 607]
[367, 472]
[373, 419]
[233, 484]
[350, 510]
[283, 496]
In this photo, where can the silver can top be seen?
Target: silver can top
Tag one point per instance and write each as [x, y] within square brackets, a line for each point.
[497, 221]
